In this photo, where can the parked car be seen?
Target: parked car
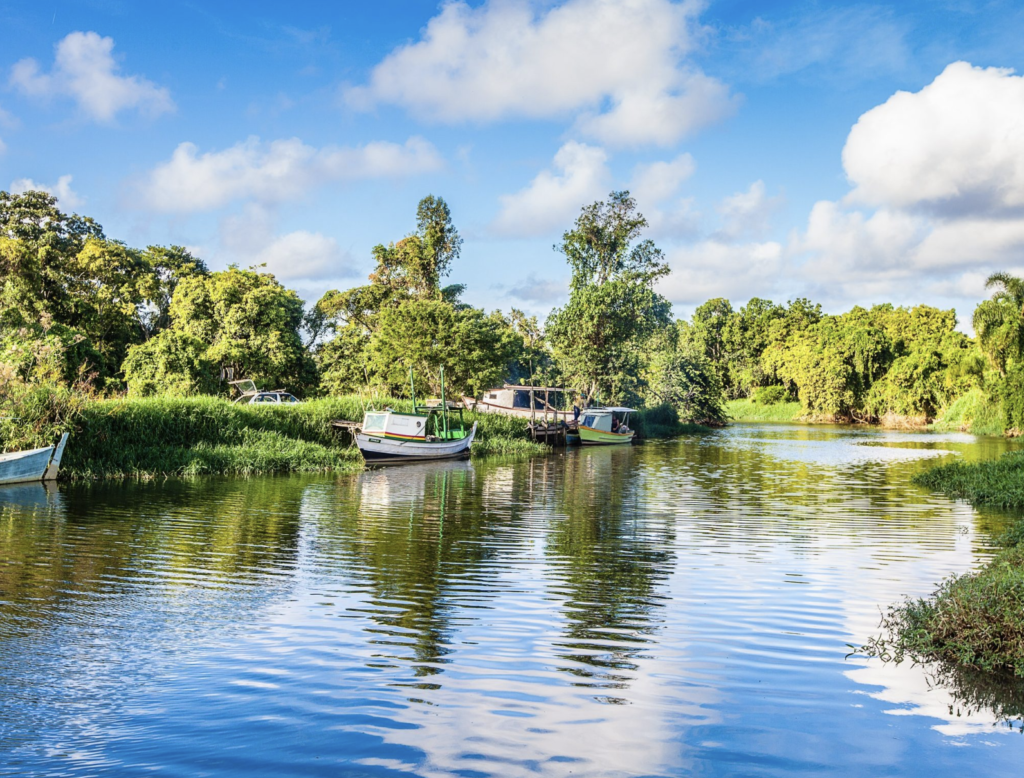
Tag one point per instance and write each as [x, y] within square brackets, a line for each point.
[273, 397]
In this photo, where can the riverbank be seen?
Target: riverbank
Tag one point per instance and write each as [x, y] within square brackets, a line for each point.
[748, 410]
[976, 619]
[160, 436]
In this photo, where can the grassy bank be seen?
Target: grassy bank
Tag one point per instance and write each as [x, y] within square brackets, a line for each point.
[974, 412]
[747, 410]
[160, 436]
[977, 619]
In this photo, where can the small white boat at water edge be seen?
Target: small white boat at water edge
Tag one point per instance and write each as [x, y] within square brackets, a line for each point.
[388, 437]
[39, 464]
[605, 426]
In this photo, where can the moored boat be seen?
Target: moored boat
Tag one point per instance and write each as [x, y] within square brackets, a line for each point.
[40, 464]
[428, 433]
[525, 402]
[605, 426]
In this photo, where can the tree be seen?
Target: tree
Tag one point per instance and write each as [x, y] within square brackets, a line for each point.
[172, 363]
[425, 335]
[681, 375]
[999, 321]
[248, 321]
[598, 338]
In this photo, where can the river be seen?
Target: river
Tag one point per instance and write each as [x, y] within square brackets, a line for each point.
[671, 608]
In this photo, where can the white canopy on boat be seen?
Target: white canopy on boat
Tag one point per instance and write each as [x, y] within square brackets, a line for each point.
[610, 410]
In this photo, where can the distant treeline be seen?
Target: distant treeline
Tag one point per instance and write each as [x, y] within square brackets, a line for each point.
[83, 316]
[877, 364]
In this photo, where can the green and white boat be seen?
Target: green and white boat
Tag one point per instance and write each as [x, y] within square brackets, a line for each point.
[428, 433]
[605, 426]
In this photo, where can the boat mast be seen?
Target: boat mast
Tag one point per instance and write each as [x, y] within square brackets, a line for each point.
[444, 405]
[412, 387]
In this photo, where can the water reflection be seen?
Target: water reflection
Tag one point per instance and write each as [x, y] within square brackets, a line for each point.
[680, 606]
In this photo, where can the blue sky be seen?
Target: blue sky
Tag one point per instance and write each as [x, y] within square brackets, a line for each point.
[852, 153]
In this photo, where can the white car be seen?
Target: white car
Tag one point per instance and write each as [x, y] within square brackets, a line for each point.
[273, 397]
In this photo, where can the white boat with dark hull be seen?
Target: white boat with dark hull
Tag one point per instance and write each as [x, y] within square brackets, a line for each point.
[39, 464]
[388, 437]
[428, 433]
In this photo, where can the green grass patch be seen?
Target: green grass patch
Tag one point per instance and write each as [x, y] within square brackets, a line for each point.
[974, 412]
[161, 436]
[974, 620]
[748, 410]
[998, 482]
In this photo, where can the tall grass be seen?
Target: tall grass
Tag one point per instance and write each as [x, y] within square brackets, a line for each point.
[748, 410]
[156, 436]
[973, 412]
[974, 620]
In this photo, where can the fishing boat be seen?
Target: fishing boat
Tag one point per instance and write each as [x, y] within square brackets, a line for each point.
[428, 433]
[605, 426]
[39, 464]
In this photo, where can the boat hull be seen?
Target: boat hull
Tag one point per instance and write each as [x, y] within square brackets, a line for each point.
[24, 466]
[592, 437]
[378, 450]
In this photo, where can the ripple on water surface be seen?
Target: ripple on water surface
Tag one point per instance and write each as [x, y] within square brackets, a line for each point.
[672, 608]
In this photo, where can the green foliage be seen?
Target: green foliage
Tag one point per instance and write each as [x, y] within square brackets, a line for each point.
[34, 415]
[172, 364]
[770, 395]
[156, 436]
[427, 334]
[997, 482]
[746, 409]
[599, 338]
[404, 319]
[975, 411]
[974, 620]
[248, 321]
[682, 377]
[999, 321]
[1012, 395]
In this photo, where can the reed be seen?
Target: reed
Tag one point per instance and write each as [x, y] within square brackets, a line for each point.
[161, 436]
[748, 410]
[974, 620]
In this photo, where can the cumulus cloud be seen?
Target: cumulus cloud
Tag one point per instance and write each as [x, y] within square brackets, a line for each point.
[66, 196]
[618, 66]
[275, 171]
[956, 147]
[657, 181]
[938, 193]
[747, 214]
[554, 198]
[310, 261]
[713, 268]
[85, 70]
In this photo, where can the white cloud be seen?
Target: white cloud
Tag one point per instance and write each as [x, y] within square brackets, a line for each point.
[308, 261]
[618, 66]
[275, 171]
[85, 70]
[66, 196]
[713, 268]
[747, 214]
[956, 147]
[937, 199]
[553, 199]
[655, 182]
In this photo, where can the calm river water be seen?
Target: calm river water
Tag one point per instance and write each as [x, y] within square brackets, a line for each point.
[672, 608]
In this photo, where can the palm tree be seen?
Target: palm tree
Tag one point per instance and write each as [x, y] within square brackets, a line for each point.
[999, 322]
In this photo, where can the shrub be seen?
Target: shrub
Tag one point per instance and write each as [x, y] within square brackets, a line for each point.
[771, 395]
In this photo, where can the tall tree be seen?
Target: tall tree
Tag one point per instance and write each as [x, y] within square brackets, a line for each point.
[999, 321]
[598, 338]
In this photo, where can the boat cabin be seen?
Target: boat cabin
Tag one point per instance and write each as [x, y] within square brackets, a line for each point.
[514, 400]
[426, 424]
[614, 420]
